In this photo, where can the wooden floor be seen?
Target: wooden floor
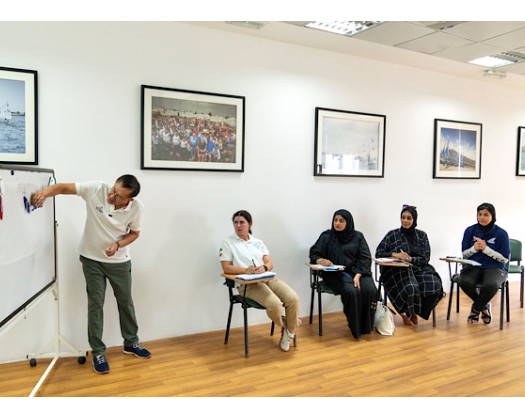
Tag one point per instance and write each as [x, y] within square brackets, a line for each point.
[452, 359]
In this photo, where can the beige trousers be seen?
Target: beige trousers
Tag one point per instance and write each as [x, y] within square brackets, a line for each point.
[272, 295]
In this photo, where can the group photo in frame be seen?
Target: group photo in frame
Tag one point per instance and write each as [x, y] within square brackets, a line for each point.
[520, 156]
[18, 116]
[457, 149]
[349, 143]
[190, 130]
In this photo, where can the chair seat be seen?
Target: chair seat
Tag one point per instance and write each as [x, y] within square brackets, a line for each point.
[516, 269]
[323, 287]
[249, 302]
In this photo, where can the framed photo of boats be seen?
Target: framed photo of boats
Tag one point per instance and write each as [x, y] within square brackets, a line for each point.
[189, 130]
[457, 149]
[349, 143]
[520, 158]
[18, 116]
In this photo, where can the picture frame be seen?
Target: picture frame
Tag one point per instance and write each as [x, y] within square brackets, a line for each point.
[348, 143]
[520, 156]
[18, 116]
[457, 149]
[191, 130]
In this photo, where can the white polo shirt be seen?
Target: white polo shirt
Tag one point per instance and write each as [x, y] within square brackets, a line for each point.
[104, 224]
[241, 252]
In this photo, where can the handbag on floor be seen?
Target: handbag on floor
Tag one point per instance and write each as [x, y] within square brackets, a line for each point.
[384, 319]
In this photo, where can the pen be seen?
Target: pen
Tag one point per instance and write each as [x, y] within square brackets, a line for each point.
[254, 263]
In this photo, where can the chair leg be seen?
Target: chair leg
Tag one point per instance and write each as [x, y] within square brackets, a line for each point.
[246, 353]
[450, 298]
[312, 305]
[272, 329]
[502, 306]
[521, 289]
[320, 306]
[226, 336]
[434, 317]
[457, 297]
[507, 296]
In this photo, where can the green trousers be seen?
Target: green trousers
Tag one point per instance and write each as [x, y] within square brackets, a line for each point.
[118, 275]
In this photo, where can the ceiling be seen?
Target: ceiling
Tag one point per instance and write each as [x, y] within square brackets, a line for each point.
[443, 46]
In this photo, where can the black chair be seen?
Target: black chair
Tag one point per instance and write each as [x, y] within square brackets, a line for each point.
[317, 285]
[454, 283]
[517, 267]
[245, 303]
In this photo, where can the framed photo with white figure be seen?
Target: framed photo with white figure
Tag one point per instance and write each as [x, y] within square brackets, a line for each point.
[349, 143]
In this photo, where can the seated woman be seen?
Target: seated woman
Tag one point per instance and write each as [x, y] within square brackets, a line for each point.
[489, 245]
[343, 245]
[416, 290]
[241, 253]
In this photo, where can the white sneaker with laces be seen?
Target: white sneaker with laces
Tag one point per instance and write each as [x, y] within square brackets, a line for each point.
[286, 338]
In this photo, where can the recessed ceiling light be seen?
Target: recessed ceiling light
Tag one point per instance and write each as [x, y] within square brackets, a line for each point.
[491, 61]
[347, 28]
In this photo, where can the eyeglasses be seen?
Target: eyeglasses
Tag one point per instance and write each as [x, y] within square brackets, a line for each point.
[113, 192]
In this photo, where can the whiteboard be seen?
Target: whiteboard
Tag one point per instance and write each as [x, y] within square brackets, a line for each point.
[27, 239]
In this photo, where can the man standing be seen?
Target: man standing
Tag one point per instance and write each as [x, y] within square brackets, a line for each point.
[113, 221]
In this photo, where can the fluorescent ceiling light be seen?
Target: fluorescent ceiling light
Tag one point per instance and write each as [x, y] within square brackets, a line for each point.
[491, 61]
[348, 28]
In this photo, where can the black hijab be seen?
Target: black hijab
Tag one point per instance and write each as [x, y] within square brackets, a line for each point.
[409, 232]
[345, 235]
[339, 238]
[490, 208]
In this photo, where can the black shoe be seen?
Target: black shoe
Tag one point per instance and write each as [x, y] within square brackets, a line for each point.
[100, 364]
[486, 314]
[473, 317]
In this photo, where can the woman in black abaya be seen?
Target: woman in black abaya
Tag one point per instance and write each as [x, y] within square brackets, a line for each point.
[343, 245]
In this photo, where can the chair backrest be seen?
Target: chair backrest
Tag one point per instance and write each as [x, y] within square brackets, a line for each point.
[515, 251]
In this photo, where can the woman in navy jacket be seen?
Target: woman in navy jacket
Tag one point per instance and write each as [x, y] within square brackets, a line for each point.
[489, 246]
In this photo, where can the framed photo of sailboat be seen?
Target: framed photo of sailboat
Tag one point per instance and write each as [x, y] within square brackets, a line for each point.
[18, 116]
[520, 159]
[457, 149]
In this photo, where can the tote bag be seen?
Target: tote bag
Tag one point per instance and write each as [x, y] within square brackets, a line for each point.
[384, 320]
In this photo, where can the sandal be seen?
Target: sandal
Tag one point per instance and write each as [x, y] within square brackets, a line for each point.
[406, 320]
[486, 314]
[473, 317]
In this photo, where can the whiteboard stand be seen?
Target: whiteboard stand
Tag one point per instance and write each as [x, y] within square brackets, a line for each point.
[59, 342]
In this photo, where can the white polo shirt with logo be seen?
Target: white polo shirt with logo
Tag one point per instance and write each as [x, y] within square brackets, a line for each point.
[106, 225]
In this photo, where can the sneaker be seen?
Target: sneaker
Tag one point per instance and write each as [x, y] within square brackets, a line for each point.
[137, 350]
[100, 364]
[286, 338]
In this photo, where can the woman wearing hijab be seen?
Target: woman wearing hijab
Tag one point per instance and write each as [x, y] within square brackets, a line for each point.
[416, 290]
[489, 246]
[343, 245]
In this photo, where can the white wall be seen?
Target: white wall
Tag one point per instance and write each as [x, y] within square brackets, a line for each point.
[89, 78]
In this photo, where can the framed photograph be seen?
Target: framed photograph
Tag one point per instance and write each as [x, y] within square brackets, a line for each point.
[188, 130]
[457, 149]
[18, 116]
[520, 158]
[349, 143]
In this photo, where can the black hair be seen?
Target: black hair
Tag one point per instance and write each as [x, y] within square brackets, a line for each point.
[130, 182]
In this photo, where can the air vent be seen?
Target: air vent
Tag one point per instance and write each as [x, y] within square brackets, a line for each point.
[514, 56]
